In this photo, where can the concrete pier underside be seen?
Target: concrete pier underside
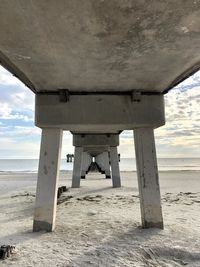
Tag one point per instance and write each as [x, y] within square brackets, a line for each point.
[98, 68]
[96, 45]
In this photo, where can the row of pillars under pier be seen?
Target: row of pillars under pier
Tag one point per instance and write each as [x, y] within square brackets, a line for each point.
[107, 162]
[48, 174]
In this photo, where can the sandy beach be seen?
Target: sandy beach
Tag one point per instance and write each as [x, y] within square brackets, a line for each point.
[100, 226]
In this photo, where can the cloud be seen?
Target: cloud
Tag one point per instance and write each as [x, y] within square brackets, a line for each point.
[181, 134]
[190, 83]
[16, 101]
[12, 148]
[7, 113]
[5, 110]
[8, 79]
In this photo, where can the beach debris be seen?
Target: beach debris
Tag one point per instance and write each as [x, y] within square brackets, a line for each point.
[186, 198]
[180, 261]
[149, 254]
[197, 201]
[64, 199]
[61, 189]
[91, 212]
[6, 251]
[96, 198]
[137, 196]
[26, 194]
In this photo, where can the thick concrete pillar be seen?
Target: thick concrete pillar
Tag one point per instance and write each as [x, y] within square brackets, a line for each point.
[101, 163]
[77, 167]
[106, 165]
[98, 160]
[85, 164]
[148, 180]
[89, 162]
[48, 173]
[115, 167]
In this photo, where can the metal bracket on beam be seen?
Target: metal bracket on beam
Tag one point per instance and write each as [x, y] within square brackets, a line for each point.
[64, 95]
[135, 96]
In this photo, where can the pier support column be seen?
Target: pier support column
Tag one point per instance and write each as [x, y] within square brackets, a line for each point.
[85, 164]
[106, 165]
[48, 173]
[76, 176]
[89, 160]
[98, 160]
[148, 181]
[101, 163]
[115, 167]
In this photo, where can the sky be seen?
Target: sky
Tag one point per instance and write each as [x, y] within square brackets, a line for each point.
[19, 138]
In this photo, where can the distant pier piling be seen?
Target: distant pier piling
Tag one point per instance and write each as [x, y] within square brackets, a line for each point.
[70, 157]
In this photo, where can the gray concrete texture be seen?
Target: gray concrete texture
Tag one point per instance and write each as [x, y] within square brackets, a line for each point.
[92, 140]
[99, 113]
[97, 45]
[94, 151]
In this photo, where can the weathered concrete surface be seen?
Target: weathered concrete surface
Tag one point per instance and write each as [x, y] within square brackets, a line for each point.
[105, 158]
[42, 226]
[95, 145]
[148, 180]
[99, 159]
[46, 195]
[94, 151]
[99, 113]
[86, 161]
[100, 45]
[78, 158]
[95, 140]
[115, 167]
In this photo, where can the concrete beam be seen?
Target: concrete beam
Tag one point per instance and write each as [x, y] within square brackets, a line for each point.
[94, 151]
[148, 180]
[99, 113]
[95, 140]
[48, 173]
[76, 176]
[115, 167]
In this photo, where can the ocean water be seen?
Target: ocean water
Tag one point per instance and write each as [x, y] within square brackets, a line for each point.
[126, 164]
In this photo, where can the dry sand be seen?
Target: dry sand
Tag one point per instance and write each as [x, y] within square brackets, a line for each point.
[100, 226]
